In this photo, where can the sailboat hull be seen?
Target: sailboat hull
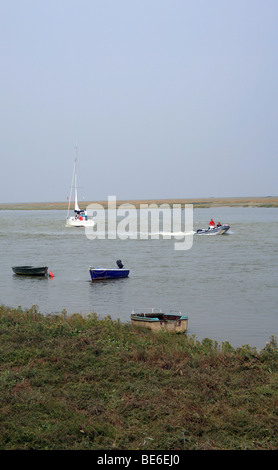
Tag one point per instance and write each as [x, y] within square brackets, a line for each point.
[73, 222]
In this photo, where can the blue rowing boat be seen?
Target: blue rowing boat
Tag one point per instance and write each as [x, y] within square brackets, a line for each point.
[97, 274]
[102, 273]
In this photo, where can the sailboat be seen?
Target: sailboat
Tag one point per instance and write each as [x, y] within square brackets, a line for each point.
[80, 218]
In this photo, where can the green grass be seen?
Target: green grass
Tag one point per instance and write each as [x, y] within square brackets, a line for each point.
[70, 382]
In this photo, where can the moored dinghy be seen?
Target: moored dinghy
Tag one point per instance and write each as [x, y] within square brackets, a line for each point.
[30, 270]
[156, 320]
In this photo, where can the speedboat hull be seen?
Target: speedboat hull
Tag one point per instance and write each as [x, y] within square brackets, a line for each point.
[100, 274]
[214, 230]
[159, 321]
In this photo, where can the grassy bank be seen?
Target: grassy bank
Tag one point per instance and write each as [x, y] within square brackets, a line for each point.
[268, 201]
[70, 382]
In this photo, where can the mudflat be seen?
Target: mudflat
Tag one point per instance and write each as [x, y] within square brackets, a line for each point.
[267, 201]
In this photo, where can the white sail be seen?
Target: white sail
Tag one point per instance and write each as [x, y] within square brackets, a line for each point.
[76, 207]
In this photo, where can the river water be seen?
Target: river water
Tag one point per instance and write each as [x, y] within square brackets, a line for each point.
[227, 285]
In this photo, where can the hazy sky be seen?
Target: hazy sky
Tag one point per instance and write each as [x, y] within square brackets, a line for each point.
[164, 98]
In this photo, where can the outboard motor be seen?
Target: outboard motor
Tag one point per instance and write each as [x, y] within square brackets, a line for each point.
[120, 264]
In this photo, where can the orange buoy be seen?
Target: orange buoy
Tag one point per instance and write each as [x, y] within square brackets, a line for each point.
[51, 274]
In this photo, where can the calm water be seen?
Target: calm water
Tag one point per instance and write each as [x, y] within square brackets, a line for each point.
[227, 285]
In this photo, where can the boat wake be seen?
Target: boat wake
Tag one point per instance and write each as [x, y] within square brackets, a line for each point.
[123, 235]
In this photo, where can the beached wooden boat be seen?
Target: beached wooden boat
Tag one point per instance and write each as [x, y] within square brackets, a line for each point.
[157, 320]
[30, 270]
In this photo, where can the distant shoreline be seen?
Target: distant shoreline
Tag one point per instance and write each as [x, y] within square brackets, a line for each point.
[267, 201]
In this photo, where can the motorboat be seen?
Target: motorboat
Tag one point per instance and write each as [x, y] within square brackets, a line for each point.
[80, 218]
[215, 230]
[108, 273]
[157, 320]
[30, 270]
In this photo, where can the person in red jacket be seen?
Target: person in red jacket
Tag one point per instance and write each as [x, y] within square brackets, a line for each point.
[212, 223]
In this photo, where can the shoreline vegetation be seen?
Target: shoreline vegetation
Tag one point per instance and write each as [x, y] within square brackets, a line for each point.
[70, 382]
[84, 383]
[267, 201]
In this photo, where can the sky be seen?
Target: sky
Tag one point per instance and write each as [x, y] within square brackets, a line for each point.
[163, 99]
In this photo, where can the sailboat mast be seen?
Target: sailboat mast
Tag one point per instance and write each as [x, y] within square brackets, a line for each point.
[74, 182]
[76, 207]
